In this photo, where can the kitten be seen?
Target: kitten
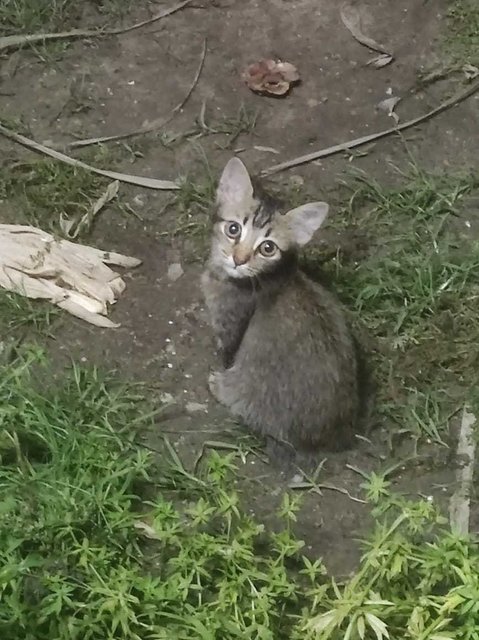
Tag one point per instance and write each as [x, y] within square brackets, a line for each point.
[290, 369]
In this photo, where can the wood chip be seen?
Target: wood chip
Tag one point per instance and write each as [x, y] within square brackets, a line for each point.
[459, 508]
[72, 276]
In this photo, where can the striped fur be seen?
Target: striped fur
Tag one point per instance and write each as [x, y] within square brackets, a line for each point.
[289, 363]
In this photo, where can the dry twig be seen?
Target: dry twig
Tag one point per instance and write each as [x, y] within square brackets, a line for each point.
[351, 144]
[141, 181]
[18, 40]
[459, 507]
[151, 126]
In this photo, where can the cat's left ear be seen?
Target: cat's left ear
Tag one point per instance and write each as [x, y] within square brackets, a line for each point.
[235, 185]
[304, 221]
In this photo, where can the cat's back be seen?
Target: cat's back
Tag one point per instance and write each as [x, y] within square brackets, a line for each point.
[301, 309]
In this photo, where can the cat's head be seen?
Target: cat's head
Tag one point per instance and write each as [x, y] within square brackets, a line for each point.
[252, 234]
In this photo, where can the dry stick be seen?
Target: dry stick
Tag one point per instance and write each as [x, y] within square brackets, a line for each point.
[141, 181]
[152, 126]
[459, 507]
[345, 146]
[11, 42]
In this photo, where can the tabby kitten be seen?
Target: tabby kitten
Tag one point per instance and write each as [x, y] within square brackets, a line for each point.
[289, 360]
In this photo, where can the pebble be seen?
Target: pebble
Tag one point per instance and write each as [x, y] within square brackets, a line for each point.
[194, 407]
[175, 271]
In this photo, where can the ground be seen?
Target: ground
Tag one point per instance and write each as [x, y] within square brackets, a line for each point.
[109, 85]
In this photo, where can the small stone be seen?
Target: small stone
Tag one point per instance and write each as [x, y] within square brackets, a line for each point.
[296, 181]
[166, 398]
[170, 348]
[194, 407]
[175, 271]
[297, 479]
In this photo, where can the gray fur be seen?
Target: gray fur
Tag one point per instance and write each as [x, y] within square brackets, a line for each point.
[290, 369]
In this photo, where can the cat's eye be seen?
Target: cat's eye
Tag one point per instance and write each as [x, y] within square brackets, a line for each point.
[233, 230]
[268, 248]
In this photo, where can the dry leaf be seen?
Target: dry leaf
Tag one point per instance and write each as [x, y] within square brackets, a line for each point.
[380, 61]
[388, 105]
[352, 21]
[146, 529]
[470, 71]
[270, 77]
[72, 276]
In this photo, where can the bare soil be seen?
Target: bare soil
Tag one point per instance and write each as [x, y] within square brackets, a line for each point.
[122, 81]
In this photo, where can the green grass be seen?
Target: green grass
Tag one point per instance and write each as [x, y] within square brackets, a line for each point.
[99, 540]
[417, 293]
[463, 31]
[30, 16]
[230, 127]
[19, 314]
[49, 195]
[191, 209]
[45, 192]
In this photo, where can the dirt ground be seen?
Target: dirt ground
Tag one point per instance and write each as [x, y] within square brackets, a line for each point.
[125, 80]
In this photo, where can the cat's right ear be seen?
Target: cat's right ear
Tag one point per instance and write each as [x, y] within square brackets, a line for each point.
[235, 185]
[305, 220]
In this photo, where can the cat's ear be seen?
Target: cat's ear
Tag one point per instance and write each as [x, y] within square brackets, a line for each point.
[304, 221]
[235, 184]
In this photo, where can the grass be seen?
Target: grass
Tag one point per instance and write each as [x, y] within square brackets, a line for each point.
[463, 31]
[31, 16]
[192, 205]
[19, 314]
[417, 292]
[45, 192]
[230, 127]
[51, 196]
[85, 554]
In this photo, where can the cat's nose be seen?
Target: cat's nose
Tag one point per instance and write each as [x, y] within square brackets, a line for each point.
[240, 258]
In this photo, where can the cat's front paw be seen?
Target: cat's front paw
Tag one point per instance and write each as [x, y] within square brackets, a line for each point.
[215, 385]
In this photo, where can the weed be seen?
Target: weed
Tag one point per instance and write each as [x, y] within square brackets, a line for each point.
[73, 554]
[416, 579]
[43, 192]
[18, 314]
[30, 16]
[83, 554]
[417, 292]
[463, 35]
[243, 122]
[193, 204]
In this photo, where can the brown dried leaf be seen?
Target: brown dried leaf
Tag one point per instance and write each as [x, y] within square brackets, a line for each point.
[272, 77]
